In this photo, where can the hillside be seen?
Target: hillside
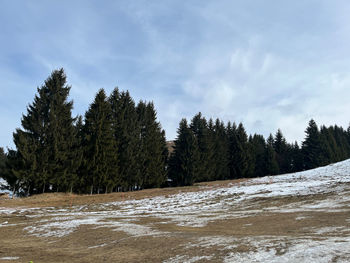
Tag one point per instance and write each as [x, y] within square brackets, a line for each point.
[288, 218]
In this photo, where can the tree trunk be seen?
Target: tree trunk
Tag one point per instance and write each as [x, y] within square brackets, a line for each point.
[44, 188]
[106, 189]
[92, 186]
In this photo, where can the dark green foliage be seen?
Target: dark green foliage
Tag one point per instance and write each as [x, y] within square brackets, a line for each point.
[329, 147]
[100, 147]
[126, 130]
[185, 160]
[312, 147]
[121, 147]
[239, 152]
[220, 159]
[10, 174]
[3, 158]
[153, 151]
[283, 152]
[258, 149]
[232, 145]
[272, 167]
[296, 158]
[45, 145]
[201, 132]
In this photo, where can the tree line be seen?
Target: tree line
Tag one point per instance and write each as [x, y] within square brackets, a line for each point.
[212, 150]
[120, 146]
[116, 146]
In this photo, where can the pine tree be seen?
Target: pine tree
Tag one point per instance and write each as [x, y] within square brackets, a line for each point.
[241, 153]
[3, 158]
[100, 147]
[328, 146]
[45, 144]
[220, 141]
[200, 130]
[127, 136]
[258, 145]
[152, 144]
[232, 146]
[311, 146]
[185, 160]
[297, 158]
[283, 152]
[271, 162]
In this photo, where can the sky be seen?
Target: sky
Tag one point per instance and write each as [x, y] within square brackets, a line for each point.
[268, 64]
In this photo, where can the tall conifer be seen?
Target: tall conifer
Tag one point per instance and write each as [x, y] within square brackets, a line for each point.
[45, 144]
[100, 147]
[185, 160]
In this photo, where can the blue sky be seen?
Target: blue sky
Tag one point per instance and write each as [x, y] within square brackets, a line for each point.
[268, 64]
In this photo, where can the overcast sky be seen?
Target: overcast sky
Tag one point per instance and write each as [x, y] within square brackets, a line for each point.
[268, 64]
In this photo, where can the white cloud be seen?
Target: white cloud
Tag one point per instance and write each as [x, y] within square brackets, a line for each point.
[270, 65]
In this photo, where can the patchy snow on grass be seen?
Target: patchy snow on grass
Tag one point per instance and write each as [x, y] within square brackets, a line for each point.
[267, 249]
[9, 258]
[187, 259]
[197, 209]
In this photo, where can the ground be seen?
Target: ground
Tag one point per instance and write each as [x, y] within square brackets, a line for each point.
[302, 217]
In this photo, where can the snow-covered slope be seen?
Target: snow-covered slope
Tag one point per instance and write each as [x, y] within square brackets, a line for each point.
[330, 184]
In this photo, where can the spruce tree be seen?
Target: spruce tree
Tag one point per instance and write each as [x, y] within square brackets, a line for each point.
[311, 146]
[329, 146]
[283, 152]
[221, 154]
[200, 130]
[272, 167]
[152, 147]
[45, 144]
[3, 158]
[127, 136]
[258, 145]
[297, 158]
[232, 148]
[241, 155]
[184, 162]
[100, 148]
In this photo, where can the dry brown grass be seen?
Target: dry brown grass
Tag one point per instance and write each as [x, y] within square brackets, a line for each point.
[90, 244]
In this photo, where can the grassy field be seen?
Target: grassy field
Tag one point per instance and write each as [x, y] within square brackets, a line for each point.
[303, 217]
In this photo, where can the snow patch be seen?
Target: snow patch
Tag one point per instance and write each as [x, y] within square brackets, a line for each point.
[9, 258]
[186, 259]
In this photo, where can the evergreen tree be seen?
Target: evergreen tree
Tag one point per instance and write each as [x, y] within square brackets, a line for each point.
[241, 153]
[2, 162]
[220, 159]
[311, 146]
[328, 146]
[232, 146]
[127, 136]
[100, 147]
[200, 130]
[342, 142]
[185, 160]
[45, 144]
[283, 152]
[296, 158]
[272, 167]
[153, 144]
[258, 145]
[11, 175]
